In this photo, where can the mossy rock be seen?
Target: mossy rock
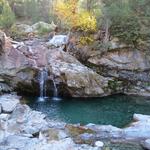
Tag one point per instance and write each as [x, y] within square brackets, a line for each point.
[75, 130]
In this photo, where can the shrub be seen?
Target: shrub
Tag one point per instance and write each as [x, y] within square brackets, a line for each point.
[70, 14]
[7, 17]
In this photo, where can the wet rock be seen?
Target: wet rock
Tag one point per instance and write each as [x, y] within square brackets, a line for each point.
[8, 103]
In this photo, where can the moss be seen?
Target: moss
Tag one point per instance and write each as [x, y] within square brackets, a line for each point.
[115, 85]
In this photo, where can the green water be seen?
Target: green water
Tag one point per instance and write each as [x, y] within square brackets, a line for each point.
[116, 110]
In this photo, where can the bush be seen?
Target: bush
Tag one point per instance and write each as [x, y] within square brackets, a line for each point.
[7, 17]
[70, 14]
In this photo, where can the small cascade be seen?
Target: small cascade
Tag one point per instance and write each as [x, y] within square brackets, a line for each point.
[43, 75]
[55, 93]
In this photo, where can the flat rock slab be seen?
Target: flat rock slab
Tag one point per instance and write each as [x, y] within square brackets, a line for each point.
[8, 103]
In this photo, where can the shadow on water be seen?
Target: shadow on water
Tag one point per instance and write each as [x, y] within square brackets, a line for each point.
[116, 110]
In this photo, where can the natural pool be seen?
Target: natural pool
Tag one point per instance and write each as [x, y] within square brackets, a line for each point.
[116, 110]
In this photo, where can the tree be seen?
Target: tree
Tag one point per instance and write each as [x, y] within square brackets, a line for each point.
[7, 17]
[72, 16]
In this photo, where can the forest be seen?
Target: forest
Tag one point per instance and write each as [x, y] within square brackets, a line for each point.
[127, 20]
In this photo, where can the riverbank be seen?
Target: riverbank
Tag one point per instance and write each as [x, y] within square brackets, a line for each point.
[25, 129]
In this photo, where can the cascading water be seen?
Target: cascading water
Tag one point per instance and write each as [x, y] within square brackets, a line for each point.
[55, 93]
[43, 75]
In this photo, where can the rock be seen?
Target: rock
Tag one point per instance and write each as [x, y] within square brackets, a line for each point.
[17, 142]
[53, 134]
[20, 66]
[99, 144]
[146, 144]
[58, 40]
[0, 108]
[8, 103]
[75, 130]
[4, 117]
[80, 80]
[24, 29]
[106, 131]
[43, 26]
[126, 65]
[24, 120]
[65, 144]
[140, 117]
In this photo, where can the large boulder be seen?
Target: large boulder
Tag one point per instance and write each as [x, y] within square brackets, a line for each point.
[80, 80]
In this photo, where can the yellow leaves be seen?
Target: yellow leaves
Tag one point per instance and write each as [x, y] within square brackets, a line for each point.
[86, 21]
[86, 40]
[69, 13]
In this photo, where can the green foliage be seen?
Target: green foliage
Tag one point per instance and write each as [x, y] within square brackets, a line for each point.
[42, 30]
[129, 19]
[15, 33]
[7, 17]
[86, 40]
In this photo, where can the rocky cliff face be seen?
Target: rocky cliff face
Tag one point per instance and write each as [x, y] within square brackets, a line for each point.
[129, 69]
[22, 62]
[123, 70]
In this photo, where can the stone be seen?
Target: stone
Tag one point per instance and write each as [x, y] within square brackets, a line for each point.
[24, 29]
[0, 108]
[75, 130]
[8, 103]
[58, 40]
[17, 142]
[24, 120]
[99, 144]
[146, 144]
[65, 144]
[4, 117]
[43, 26]
[53, 134]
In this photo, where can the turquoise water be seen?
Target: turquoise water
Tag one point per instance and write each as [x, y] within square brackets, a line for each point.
[116, 110]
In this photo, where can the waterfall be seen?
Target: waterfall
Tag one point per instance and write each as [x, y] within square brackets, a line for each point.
[55, 93]
[43, 75]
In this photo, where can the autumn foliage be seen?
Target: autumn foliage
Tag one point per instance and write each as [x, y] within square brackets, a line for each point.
[74, 17]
